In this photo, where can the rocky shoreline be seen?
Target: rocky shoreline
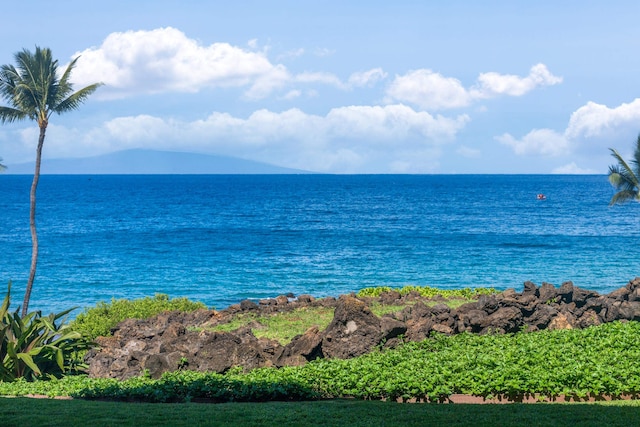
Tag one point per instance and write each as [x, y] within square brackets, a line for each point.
[176, 340]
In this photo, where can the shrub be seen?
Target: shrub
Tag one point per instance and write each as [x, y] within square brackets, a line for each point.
[34, 346]
[99, 320]
[428, 291]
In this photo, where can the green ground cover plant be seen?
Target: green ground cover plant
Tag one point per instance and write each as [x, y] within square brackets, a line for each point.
[428, 291]
[596, 361]
[354, 413]
[98, 321]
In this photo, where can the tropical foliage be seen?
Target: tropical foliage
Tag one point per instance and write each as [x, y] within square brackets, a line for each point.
[35, 90]
[625, 177]
[36, 346]
[596, 361]
[98, 321]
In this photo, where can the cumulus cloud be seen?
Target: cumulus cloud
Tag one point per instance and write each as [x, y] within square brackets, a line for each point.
[346, 139]
[433, 91]
[545, 142]
[494, 84]
[166, 60]
[428, 90]
[593, 120]
[591, 130]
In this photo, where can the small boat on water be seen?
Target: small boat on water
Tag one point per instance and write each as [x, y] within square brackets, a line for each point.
[542, 197]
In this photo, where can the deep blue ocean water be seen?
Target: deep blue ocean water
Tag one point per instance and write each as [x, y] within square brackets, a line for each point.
[223, 238]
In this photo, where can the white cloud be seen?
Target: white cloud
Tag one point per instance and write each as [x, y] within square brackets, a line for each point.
[494, 84]
[433, 91]
[292, 94]
[591, 130]
[346, 139]
[367, 78]
[166, 60]
[541, 142]
[428, 90]
[392, 122]
[573, 169]
[319, 77]
[594, 120]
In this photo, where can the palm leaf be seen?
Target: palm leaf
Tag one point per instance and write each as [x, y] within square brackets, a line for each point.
[624, 178]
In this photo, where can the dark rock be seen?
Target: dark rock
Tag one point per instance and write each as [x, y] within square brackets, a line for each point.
[302, 349]
[541, 317]
[589, 318]
[420, 310]
[629, 310]
[282, 300]
[504, 320]
[530, 288]
[548, 293]
[305, 299]
[474, 320]
[581, 296]
[488, 303]
[390, 297]
[247, 305]
[391, 328]
[354, 330]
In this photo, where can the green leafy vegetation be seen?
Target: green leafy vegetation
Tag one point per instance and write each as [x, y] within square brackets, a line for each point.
[342, 412]
[34, 346]
[625, 177]
[428, 291]
[576, 363]
[99, 320]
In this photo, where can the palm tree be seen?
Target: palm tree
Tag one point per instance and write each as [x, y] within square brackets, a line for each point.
[35, 90]
[625, 177]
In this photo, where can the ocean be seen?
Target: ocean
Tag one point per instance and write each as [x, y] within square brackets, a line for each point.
[220, 239]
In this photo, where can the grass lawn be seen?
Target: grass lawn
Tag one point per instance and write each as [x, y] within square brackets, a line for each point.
[26, 412]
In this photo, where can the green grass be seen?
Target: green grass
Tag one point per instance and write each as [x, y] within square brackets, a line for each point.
[284, 326]
[46, 412]
[281, 327]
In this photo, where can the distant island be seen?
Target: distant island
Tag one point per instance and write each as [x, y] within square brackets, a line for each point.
[151, 162]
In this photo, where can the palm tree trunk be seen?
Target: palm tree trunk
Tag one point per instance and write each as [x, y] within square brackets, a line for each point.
[32, 223]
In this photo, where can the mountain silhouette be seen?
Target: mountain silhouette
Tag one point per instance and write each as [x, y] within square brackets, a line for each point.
[141, 161]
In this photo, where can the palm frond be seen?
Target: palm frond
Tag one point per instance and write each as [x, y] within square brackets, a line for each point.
[74, 101]
[623, 197]
[625, 169]
[9, 115]
[624, 178]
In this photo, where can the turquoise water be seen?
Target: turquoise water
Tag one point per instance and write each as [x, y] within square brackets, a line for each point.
[224, 238]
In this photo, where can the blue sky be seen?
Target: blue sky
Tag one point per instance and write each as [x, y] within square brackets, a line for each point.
[343, 87]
